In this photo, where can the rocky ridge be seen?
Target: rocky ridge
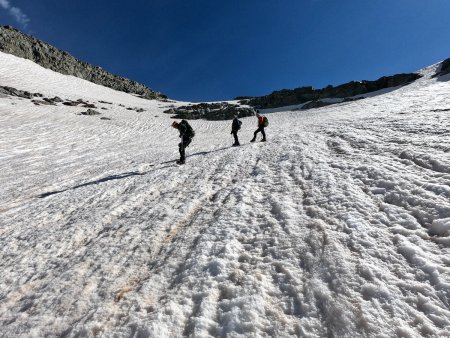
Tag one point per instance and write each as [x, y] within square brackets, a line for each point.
[14, 42]
[39, 99]
[445, 68]
[288, 97]
[214, 111]
[17, 43]
[307, 96]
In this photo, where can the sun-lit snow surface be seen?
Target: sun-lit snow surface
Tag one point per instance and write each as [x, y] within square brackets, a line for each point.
[338, 226]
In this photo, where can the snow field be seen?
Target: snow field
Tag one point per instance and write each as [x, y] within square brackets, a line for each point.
[338, 226]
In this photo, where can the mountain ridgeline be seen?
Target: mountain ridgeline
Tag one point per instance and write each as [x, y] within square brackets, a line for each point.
[347, 92]
[14, 42]
[303, 98]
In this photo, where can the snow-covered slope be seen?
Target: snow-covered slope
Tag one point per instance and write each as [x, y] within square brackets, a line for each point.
[338, 226]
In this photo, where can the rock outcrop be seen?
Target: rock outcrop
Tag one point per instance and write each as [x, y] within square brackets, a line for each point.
[90, 112]
[19, 44]
[445, 67]
[5, 90]
[316, 104]
[215, 111]
[40, 100]
[287, 97]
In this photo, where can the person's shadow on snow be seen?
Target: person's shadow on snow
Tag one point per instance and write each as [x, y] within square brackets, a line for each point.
[102, 180]
[124, 175]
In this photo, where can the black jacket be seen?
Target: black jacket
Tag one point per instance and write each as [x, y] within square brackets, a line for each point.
[182, 129]
[236, 124]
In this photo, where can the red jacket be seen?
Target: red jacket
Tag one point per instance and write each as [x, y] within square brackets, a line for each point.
[261, 121]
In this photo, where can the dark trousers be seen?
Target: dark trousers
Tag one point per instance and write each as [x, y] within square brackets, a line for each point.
[260, 129]
[185, 141]
[236, 140]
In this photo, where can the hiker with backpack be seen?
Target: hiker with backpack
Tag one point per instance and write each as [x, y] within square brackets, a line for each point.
[186, 135]
[262, 123]
[235, 126]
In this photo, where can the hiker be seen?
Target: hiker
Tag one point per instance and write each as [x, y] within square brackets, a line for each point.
[262, 123]
[236, 125]
[186, 135]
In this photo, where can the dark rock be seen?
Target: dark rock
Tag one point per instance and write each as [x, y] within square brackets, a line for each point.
[105, 102]
[19, 44]
[4, 91]
[350, 99]
[71, 103]
[105, 118]
[43, 102]
[287, 97]
[89, 105]
[140, 110]
[19, 93]
[444, 68]
[316, 104]
[210, 111]
[90, 112]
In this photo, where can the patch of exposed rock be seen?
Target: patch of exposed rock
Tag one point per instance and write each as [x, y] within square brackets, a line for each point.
[316, 104]
[12, 41]
[287, 97]
[19, 93]
[54, 101]
[215, 111]
[90, 112]
[444, 68]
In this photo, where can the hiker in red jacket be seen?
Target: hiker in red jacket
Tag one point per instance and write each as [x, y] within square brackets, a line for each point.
[262, 123]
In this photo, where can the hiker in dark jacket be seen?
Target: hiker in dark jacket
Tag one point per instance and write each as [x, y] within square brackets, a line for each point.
[186, 135]
[261, 122]
[235, 126]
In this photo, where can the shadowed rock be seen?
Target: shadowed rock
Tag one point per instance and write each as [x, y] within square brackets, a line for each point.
[90, 112]
[19, 44]
[17, 92]
[316, 104]
[444, 69]
[288, 97]
[210, 111]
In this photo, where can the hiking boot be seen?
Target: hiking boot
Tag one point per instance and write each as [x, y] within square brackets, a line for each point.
[181, 162]
[263, 140]
[252, 140]
[236, 144]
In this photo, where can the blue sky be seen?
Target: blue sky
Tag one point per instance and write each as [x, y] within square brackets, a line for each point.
[207, 50]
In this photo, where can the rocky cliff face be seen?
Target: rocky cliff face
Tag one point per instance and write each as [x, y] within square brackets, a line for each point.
[445, 67]
[287, 97]
[310, 97]
[19, 44]
[215, 111]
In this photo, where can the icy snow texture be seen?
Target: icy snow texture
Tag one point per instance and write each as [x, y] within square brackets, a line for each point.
[337, 226]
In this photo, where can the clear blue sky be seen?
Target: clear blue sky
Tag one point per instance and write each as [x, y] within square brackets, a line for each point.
[205, 50]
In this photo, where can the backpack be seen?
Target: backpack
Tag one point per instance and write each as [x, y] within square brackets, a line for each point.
[265, 122]
[189, 131]
[239, 124]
